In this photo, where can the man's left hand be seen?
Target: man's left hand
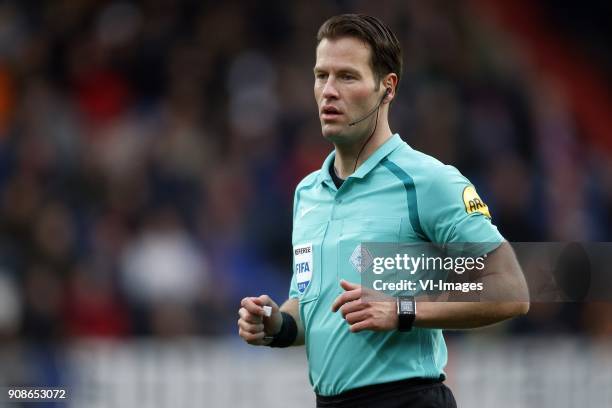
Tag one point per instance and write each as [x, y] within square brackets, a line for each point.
[364, 315]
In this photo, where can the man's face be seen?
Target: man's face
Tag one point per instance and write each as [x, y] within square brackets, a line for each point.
[344, 88]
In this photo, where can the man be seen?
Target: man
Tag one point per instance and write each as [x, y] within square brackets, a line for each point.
[374, 188]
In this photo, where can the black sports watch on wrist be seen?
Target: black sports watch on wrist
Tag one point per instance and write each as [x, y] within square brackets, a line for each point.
[406, 313]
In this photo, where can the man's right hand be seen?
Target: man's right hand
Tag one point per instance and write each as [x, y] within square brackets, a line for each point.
[253, 325]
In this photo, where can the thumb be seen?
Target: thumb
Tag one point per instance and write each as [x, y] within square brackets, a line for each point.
[346, 285]
[265, 300]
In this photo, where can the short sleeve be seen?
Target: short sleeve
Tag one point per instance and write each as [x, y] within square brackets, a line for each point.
[450, 210]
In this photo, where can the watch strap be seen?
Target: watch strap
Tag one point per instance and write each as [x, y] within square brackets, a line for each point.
[406, 313]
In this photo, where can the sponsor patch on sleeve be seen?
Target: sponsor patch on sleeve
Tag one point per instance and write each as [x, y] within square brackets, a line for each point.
[473, 202]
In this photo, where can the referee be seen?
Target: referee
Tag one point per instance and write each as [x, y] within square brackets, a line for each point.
[374, 188]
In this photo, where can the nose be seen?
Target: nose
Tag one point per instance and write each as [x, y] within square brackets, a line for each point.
[329, 90]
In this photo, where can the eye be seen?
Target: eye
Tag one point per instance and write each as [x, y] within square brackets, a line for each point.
[347, 77]
[320, 75]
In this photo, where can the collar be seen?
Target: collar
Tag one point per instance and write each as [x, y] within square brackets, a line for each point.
[383, 151]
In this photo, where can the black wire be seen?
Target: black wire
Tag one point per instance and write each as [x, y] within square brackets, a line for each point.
[368, 139]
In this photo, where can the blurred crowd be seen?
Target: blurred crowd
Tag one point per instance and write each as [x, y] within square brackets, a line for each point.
[149, 151]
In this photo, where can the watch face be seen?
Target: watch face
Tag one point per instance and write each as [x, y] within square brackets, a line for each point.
[406, 306]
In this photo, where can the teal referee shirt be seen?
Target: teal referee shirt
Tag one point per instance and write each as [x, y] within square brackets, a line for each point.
[397, 195]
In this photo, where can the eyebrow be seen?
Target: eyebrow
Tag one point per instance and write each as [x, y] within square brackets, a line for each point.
[346, 69]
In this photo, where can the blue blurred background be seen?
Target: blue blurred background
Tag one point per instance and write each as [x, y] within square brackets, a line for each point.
[149, 151]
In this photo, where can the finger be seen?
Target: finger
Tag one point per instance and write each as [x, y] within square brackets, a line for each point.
[352, 306]
[264, 300]
[346, 285]
[360, 326]
[251, 338]
[356, 317]
[250, 328]
[249, 317]
[252, 306]
[346, 297]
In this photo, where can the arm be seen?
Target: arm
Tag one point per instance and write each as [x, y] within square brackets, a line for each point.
[505, 296]
[253, 326]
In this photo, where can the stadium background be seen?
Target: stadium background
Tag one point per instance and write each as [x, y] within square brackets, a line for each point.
[148, 155]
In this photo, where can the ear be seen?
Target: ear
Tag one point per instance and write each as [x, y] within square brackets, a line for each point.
[390, 84]
[388, 94]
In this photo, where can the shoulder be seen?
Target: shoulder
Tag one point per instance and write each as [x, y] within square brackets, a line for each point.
[439, 189]
[447, 205]
[426, 172]
[305, 185]
[308, 181]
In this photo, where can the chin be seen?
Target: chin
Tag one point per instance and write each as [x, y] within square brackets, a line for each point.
[332, 132]
[338, 135]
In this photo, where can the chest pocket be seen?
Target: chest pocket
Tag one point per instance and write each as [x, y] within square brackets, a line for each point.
[353, 259]
[307, 240]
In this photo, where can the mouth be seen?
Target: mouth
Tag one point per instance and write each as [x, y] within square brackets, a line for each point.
[329, 113]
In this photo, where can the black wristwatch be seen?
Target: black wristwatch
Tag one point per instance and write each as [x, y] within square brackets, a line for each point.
[406, 313]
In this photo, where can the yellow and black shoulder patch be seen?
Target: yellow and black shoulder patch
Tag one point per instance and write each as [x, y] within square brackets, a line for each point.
[473, 202]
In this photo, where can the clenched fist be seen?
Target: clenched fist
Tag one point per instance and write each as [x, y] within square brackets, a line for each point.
[253, 326]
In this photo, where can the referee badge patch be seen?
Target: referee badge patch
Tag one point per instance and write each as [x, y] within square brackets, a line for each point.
[473, 203]
[303, 265]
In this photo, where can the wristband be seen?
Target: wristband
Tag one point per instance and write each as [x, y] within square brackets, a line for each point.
[287, 334]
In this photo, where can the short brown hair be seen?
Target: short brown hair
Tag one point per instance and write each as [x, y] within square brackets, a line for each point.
[384, 46]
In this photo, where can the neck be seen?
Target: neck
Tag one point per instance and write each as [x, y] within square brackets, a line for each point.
[348, 157]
